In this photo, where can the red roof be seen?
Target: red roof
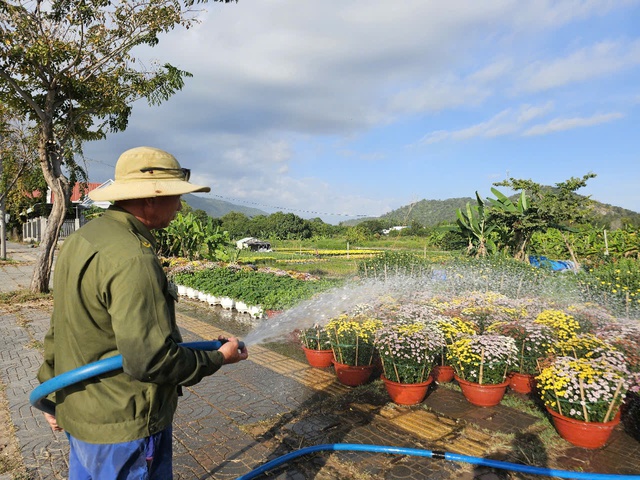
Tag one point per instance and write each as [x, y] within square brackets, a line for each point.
[77, 196]
[79, 191]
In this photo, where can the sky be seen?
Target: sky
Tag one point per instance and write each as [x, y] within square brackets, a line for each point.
[343, 109]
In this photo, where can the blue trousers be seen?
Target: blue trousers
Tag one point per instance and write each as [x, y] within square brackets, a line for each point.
[144, 459]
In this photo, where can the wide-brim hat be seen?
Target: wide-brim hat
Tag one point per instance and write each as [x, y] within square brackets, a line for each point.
[146, 172]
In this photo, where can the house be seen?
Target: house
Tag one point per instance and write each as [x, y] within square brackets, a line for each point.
[253, 244]
[386, 231]
[36, 216]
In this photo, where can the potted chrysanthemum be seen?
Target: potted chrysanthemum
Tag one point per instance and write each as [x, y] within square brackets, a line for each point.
[624, 336]
[534, 342]
[583, 396]
[407, 351]
[351, 338]
[482, 363]
[452, 329]
[316, 346]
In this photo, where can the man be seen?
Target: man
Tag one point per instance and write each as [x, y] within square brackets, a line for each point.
[111, 296]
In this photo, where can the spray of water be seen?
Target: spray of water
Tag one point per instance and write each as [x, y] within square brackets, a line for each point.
[558, 289]
[320, 309]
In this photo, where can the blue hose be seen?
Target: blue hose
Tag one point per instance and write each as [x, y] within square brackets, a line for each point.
[485, 462]
[38, 395]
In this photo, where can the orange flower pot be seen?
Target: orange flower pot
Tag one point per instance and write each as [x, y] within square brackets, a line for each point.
[442, 373]
[318, 358]
[522, 382]
[583, 434]
[482, 395]
[352, 376]
[406, 393]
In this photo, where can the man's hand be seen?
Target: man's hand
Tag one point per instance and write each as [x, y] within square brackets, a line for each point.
[53, 423]
[231, 350]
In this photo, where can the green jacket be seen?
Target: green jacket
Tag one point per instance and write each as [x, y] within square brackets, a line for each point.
[111, 296]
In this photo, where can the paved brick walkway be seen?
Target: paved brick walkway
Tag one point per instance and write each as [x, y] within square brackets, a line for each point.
[257, 410]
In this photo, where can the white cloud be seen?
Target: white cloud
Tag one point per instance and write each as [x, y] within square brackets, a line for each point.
[603, 58]
[507, 122]
[529, 112]
[560, 124]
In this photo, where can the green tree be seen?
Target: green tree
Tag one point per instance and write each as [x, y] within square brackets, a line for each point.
[67, 66]
[373, 227]
[556, 207]
[322, 230]
[517, 222]
[356, 235]
[288, 226]
[237, 224]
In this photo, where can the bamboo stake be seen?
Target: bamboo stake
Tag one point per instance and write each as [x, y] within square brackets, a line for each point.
[395, 367]
[357, 347]
[424, 367]
[615, 397]
[481, 366]
[335, 331]
[627, 303]
[584, 403]
[558, 402]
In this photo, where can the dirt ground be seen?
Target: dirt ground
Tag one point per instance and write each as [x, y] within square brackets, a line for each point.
[10, 459]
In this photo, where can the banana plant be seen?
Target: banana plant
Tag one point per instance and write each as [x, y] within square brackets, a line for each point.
[518, 220]
[474, 223]
[187, 236]
[504, 203]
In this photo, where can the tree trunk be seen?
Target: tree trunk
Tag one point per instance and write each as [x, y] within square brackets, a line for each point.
[3, 227]
[3, 231]
[576, 265]
[521, 247]
[44, 262]
[50, 162]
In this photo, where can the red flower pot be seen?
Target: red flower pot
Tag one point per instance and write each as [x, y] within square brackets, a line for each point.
[442, 373]
[522, 382]
[482, 395]
[352, 375]
[318, 358]
[583, 434]
[407, 393]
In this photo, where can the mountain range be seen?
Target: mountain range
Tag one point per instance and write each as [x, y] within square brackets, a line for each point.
[219, 208]
[434, 212]
[425, 212]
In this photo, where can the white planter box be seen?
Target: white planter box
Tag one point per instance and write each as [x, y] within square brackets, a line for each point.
[242, 307]
[256, 311]
[227, 303]
[182, 290]
[192, 293]
[202, 296]
[212, 300]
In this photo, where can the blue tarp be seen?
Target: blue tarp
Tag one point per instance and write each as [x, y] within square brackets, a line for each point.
[555, 265]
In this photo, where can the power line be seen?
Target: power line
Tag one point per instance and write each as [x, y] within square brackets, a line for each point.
[263, 205]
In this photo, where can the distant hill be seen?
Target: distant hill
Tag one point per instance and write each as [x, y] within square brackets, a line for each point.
[218, 208]
[433, 212]
[428, 212]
